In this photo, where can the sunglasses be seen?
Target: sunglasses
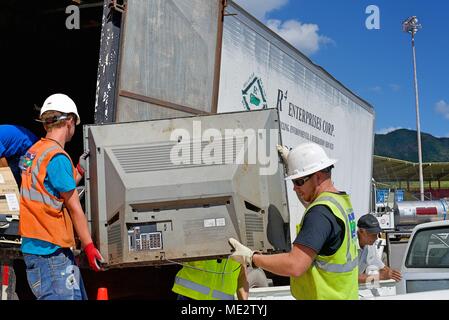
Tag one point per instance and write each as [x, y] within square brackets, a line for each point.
[300, 182]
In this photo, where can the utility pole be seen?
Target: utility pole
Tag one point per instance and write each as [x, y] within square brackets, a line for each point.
[411, 26]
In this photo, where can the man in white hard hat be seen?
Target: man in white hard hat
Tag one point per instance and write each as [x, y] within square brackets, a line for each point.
[50, 208]
[322, 263]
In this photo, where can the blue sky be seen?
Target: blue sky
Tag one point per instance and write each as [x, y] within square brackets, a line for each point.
[375, 64]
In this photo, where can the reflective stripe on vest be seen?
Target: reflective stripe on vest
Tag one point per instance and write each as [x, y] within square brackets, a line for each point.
[221, 295]
[350, 263]
[192, 285]
[34, 195]
[202, 289]
[35, 171]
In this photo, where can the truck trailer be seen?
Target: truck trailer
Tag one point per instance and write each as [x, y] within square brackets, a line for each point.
[161, 60]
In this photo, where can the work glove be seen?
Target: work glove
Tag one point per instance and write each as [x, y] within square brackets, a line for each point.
[241, 254]
[82, 163]
[283, 152]
[93, 257]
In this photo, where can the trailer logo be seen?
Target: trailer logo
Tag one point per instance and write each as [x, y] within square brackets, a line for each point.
[254, 96]
[281, 98]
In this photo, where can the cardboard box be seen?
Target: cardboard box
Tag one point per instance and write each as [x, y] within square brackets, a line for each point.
[9, 193]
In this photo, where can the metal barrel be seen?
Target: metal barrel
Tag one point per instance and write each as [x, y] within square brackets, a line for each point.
[411, 213]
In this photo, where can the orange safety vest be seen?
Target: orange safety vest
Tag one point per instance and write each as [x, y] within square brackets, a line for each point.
[42, 215]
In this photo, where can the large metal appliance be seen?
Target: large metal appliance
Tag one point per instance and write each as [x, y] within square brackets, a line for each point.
[177, 189]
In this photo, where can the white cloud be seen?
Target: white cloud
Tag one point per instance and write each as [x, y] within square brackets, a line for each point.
[260, 8]
[388, 130]
[304, 36]
[376, 89]
[443, 108]
[395, 87]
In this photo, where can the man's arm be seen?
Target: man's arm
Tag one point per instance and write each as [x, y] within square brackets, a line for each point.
[72, 202]
[385, 273]
[243, 285]
[3, 162]
[292, 264]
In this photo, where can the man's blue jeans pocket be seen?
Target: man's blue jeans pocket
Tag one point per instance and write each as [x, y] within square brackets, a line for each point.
[55, 276]
[34, 276]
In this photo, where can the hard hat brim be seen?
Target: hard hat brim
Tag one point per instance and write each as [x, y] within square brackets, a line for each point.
[322, 166]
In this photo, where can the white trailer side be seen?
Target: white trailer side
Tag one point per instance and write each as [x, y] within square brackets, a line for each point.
[261, 70]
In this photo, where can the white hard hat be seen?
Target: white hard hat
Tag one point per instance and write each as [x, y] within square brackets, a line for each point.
[305, 159]
[62, 103]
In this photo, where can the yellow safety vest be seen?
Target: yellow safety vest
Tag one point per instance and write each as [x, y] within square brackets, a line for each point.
[218, 281]
[332, 277]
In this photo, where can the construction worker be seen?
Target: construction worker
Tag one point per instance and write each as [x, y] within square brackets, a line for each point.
[217, 279]
[322, 263]
[50, 208]
[14, 142]
[368, 230]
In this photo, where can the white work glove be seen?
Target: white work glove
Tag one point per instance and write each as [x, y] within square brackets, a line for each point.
[283, 151]
[242, 254]
[82, 163]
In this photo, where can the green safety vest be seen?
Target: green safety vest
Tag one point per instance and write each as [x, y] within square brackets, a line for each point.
[220, 283]
[332, 277]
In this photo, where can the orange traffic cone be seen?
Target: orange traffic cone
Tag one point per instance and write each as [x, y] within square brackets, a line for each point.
[102, 294]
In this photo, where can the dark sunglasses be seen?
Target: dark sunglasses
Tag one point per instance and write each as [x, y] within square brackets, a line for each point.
[300, 182]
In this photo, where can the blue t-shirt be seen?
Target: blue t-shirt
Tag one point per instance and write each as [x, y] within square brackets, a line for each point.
[14, 143]
[59, 179]
[15, 140]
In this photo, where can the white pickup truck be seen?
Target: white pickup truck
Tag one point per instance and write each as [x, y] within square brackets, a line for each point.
[425, 270]
[425, 266]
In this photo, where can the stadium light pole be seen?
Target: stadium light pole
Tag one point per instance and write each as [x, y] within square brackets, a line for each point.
[411, 25]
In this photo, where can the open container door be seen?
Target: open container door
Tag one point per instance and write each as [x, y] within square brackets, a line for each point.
[167, 64]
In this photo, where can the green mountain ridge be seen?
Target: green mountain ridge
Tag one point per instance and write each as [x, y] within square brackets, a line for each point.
[402, 144]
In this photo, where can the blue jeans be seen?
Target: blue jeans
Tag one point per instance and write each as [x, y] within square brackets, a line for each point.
[55, 276]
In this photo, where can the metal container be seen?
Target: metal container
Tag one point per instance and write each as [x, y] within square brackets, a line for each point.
[411, 213]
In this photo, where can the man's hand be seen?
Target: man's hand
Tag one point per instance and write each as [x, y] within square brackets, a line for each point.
[395, 275]
[283, 152]
[388, 273]
[93, 256]
[82, 163]
[242, 254]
